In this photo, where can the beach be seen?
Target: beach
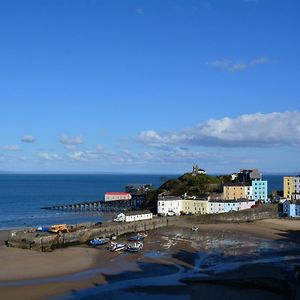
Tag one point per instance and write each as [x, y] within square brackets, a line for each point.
[169, 256]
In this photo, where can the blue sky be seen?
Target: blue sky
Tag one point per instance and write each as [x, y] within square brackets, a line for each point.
[149, 86]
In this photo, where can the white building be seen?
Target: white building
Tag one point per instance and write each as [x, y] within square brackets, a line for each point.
[216, 207]
[133, 216]
[114, 196]
[169, 204]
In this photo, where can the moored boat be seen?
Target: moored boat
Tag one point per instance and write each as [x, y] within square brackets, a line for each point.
[136, 247]
[99, 241]
[115, 247]
[195, 228]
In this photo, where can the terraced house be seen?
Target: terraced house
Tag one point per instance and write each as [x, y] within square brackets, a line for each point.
[291, 186]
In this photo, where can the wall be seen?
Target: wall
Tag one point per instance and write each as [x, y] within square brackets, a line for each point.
[43, 241]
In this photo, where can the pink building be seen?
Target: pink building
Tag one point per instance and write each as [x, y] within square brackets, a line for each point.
[113, 196]
[245, 203]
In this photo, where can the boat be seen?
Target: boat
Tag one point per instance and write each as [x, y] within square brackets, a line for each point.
[99, 241]
[136, 238]
[42, 228]
[115, 247]
[136, 247]
[195, 228]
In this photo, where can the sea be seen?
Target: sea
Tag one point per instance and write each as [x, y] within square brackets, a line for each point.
[22, 196]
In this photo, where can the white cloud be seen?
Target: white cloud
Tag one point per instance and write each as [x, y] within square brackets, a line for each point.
[235, 66]
[49, 156]
[11, 148]
[250, 130]
[28, 139]
[70, 141]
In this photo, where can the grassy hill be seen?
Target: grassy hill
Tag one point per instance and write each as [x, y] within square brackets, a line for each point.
[200, 185]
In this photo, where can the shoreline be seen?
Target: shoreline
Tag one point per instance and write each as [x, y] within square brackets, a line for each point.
[82, 267]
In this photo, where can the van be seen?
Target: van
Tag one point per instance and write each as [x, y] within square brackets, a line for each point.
[59, 228]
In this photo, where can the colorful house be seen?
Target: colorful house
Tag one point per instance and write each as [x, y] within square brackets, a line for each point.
[291, 185]
[259, 189]
[237, 190]
[291, 208]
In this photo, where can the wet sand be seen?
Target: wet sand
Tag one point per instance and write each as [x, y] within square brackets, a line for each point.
[77, 268]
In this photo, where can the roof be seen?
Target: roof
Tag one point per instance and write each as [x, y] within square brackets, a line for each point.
[137, 212]
[236, 184]
[117, 193]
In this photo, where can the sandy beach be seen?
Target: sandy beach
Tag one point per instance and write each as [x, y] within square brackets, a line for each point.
[26, 274]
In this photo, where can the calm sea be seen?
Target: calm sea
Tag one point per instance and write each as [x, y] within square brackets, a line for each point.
[22, 196]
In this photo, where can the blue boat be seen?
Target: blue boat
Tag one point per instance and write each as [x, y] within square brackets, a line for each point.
[42, 228]
[99, 241]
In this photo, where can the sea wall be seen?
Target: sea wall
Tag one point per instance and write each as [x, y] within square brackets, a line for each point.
[43, 241]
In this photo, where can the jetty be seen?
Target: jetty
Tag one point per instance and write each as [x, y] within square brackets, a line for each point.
[99, 205]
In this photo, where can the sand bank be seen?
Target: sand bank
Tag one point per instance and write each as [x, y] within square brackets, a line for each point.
[17, 264]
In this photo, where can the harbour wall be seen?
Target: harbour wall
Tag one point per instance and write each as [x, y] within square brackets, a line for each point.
[44, 241]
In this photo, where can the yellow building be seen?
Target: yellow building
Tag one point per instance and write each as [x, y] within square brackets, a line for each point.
[237, 190]
[194, 206]
[288, 186]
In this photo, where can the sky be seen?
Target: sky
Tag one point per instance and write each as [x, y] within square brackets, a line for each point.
[149, 86]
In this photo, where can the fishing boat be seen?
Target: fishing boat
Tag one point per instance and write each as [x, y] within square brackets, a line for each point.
[136, 247]
[115, 247]
[99, 241]
[136, 238]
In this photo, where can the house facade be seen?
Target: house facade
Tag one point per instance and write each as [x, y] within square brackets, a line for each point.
[114, 196]
[291, 208]
[259, 189]
[291, 185]
[237, 190]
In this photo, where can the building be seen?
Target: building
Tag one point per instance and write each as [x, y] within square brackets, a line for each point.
[216, 206]
[115, 196]
[291, 208]
[291, 185]
[166, 204]
[133, 216]
[245, 204]
[246, 175]
[197, 170]
[259, 189]
[179, 206]
[237, 190]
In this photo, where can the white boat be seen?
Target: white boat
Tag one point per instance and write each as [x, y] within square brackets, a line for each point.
[115, 247]
[135, 247]
[195, 228]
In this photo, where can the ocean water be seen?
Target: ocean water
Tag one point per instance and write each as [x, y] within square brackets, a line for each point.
[22, 196]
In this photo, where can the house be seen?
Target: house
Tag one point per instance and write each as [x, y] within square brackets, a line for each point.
[259, 189]
[291, 208]
[291, 185]
[216, 206]
[178, 206]
[133, 216]
[166, 204]
[114, 196]
[237, 190]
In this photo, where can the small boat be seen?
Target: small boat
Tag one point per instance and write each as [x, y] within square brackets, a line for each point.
[195, 228]
[42, 228]
[99, 241]
[136, 247]
[115, 247]
[136, 238]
